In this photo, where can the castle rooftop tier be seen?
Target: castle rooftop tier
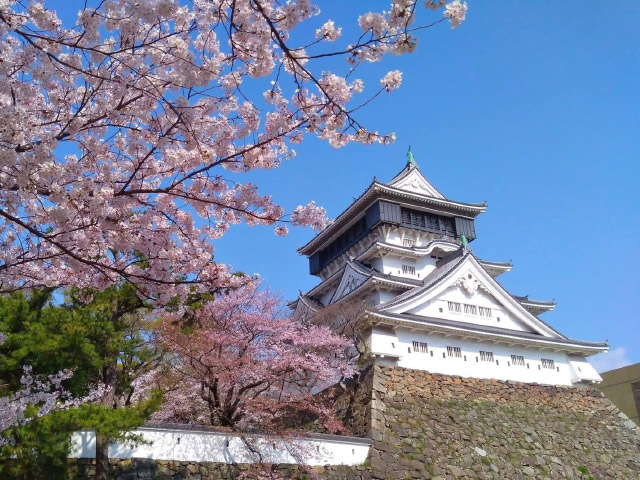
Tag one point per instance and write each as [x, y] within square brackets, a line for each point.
[401, 250]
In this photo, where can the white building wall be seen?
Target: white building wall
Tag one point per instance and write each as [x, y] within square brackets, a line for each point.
[326, 297]
[396, 348]
[500, 317]
[397, 236]
[386, 295]
[392, 265]
[207, 446]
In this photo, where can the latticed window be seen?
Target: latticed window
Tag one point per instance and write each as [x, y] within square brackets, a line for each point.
[454, 352]
[407, 242]
[426, 221]
[484, 312]
[455, 307]
[548, 364]
[470, 309]
[486, 356]
[420, 347]
[517, 360]
[408, 270]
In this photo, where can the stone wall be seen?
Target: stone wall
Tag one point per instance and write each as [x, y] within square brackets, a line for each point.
[428, 426]
[145, 469]
[435, 426]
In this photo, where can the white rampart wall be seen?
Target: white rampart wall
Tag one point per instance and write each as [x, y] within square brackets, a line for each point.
[208, 446]
[395, 347]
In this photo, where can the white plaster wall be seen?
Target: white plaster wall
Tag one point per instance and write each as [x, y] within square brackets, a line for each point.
[500, 317]
[392, 264]
[326, 297]
[203, 446]
[386, 295]
[396, 236]
[385, 341]
[437, 361]
[376, 263]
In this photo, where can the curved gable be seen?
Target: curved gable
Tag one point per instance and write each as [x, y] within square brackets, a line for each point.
[351, 279]
[412, 180]
[461, 284]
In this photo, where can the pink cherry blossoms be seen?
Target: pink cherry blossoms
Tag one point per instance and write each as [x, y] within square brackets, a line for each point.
[241, 364]
[125, 135]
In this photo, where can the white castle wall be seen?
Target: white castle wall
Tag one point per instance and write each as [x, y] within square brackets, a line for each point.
[439, 308]
[208, 446]
[392, 265]
[396, 348]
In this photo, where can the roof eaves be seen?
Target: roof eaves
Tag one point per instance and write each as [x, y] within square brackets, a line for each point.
[525, 300]
[507, 264]
[473, 209]
[338, 219]
[489, 330]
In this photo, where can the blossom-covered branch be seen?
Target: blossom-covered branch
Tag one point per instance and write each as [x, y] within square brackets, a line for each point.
[43, 394]
[125, 134]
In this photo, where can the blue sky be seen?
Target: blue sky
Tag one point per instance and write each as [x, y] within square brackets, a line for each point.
[533, 109]
[530, 106]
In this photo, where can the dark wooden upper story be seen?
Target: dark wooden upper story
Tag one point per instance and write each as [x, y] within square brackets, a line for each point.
[394, 214]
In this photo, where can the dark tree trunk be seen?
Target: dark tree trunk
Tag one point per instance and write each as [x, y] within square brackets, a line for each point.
[102, 457]
[109, 375]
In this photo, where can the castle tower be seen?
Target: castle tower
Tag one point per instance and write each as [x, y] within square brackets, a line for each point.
[403, 249]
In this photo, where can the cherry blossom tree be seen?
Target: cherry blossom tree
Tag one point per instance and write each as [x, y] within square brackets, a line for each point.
[124, 135]
[44, 395]
[241, 364]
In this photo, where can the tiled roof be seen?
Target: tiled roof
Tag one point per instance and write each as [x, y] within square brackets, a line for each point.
[494, 264]
[378, 188]
[526, 299]
[369, 272]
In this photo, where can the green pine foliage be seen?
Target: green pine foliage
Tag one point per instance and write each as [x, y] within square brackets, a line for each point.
[107, 340]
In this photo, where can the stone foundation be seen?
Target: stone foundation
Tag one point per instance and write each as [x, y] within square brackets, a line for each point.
[145, 469]
[435, 426]
[427, 426]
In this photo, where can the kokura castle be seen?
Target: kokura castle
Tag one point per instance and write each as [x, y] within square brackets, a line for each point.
[403, 249]
[460, 379]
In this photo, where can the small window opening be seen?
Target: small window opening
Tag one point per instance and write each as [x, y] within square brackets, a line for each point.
[454, 352]
[420, 347]
[455, 307]
[486, 356]
[548, 364]
[408, 269]
[517, 360]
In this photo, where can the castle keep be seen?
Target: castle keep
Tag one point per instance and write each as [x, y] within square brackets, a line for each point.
[403, 249]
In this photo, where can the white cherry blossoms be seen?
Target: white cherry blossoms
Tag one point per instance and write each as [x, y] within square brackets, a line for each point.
[329, 31]
[126, 134]
[392, 80]
[455, 12]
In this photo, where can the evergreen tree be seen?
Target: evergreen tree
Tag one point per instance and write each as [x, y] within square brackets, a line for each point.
[104, 337]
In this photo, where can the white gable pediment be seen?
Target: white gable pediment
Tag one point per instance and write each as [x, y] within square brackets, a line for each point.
[469, 287]
[468, 300]
[351, 279]
[415, 182]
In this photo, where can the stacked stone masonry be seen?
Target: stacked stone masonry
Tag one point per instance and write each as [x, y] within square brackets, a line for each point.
[427, 426]
[439, 427]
